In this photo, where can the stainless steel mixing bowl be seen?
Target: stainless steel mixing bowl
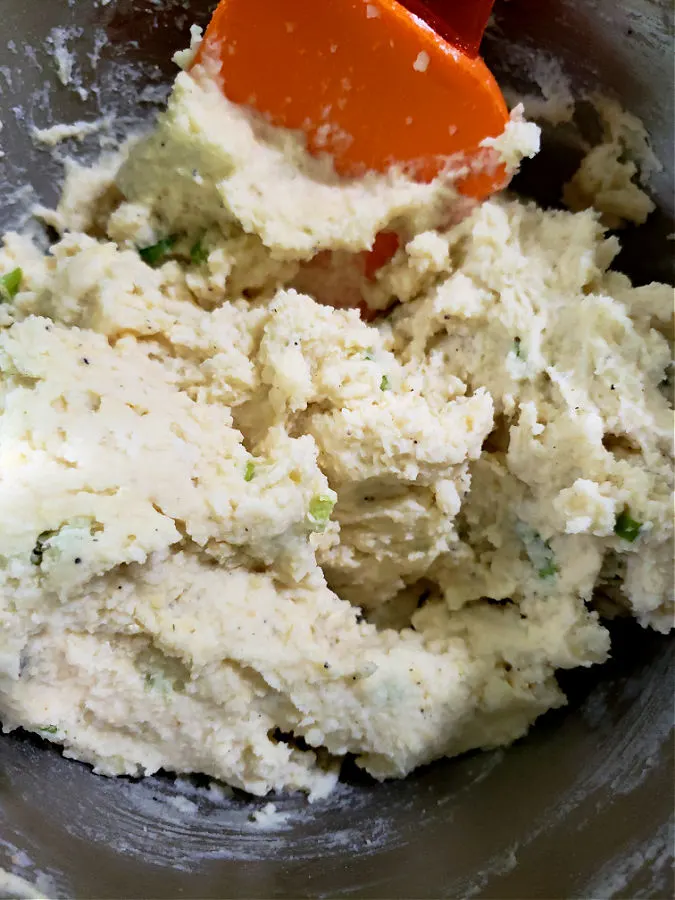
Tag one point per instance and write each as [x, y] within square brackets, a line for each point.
[582, 807]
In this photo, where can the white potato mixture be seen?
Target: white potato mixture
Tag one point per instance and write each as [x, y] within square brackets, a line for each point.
[245, 532]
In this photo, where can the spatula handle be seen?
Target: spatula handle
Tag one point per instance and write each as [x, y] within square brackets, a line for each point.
[462, 22]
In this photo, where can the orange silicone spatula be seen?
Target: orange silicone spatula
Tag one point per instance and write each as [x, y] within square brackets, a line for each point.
[368, 81]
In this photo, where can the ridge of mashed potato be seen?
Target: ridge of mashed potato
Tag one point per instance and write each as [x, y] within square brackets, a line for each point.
[246, 533]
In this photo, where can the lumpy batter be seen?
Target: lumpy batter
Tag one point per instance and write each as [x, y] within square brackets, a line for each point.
[245, 532]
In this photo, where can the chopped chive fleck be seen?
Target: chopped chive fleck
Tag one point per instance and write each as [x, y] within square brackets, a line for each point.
[198, 254]
[249, 475]
[320, 509]
[49, 729]
[385, 384]
[10, 284]
[369, 355]
[157, 253]
[626, 527]
[518, 348]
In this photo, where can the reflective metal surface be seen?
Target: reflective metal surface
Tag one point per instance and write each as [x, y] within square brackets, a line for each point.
[582, 807]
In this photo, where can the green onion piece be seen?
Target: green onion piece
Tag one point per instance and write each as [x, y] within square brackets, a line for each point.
[550, 570]
[198, 254]
[369, 355]
[156, 254]
[158, 681]
[320, 510]
[10, 284]
[49, 729]
[539, 551]
[249, 475]
[626, 527]
[518, 348]
[385, 384]
[37, 552]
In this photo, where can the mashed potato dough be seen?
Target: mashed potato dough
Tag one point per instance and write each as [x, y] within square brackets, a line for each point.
[246, 532]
